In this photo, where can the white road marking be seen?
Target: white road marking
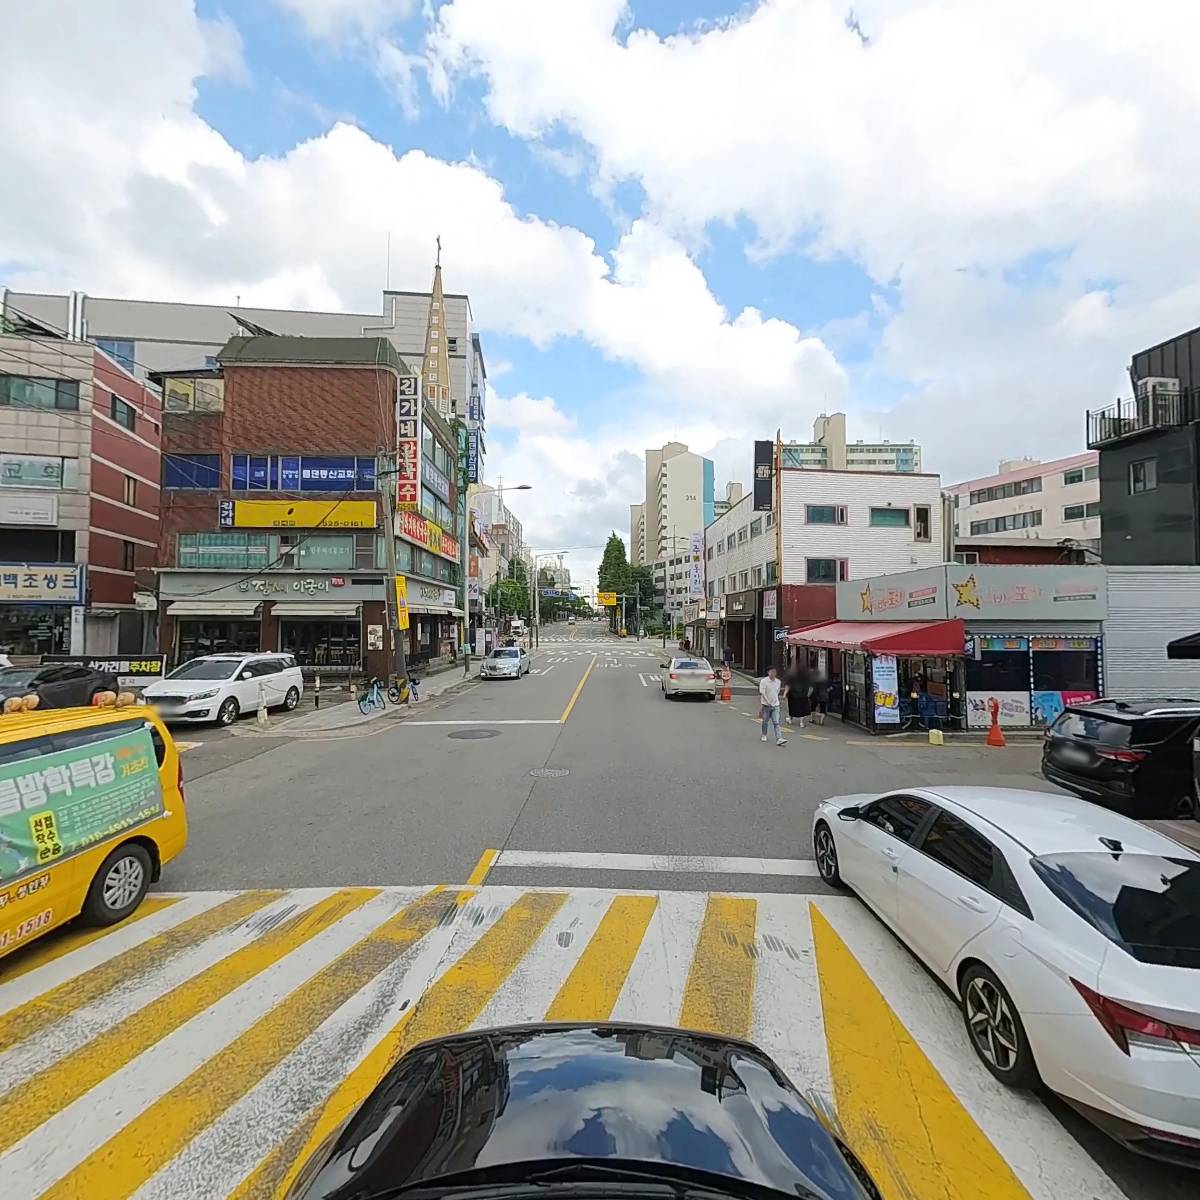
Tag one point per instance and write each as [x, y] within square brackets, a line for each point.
[691, 863]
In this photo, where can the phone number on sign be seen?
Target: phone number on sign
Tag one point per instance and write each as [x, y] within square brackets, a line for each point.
[11, 936]
[28, 888]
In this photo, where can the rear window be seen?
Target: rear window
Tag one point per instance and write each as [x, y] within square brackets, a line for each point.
[690, 664]
[506, 653]
[1147, 904]
[1093, 728]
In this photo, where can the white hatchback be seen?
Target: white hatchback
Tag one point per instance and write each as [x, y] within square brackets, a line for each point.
[1070, 936]
[218, 687]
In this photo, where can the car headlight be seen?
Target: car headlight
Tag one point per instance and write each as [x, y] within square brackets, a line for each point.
[203, 695]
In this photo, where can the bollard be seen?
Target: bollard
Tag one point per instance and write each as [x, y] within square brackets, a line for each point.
[261, 716]
[317, 692]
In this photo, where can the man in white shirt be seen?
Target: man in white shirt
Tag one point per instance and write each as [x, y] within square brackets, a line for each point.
[768, 695]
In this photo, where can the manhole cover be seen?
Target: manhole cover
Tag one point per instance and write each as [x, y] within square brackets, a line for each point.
[472, 734]
[549, 772]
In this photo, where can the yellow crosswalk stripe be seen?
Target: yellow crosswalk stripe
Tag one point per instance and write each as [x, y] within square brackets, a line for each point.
[67, 941]
[906, 1125]
[719, 995]
[128, 1159]
[595, 982]
[450, 1005]
[24, 1108]
[42, 1011]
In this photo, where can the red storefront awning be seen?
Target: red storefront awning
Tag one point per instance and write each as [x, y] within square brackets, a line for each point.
[917, 639]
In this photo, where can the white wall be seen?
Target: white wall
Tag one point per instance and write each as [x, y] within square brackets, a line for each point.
[682, 511]
[869, 550]
[1147, 608]
[746, 555]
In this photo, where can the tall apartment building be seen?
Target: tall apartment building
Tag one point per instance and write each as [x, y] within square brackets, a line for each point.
[829, 451]
[1042, 501]
[79, 496]
[678, 503]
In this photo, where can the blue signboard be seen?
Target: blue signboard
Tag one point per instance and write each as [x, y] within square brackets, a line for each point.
[473, 456]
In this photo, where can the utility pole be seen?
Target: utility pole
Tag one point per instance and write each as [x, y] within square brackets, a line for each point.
[397, 659]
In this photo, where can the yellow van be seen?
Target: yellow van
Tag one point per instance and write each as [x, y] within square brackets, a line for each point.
[91, 809]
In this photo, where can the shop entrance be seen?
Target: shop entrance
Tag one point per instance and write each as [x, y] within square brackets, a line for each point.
[318, 643]
[29, 630]
[209, 636]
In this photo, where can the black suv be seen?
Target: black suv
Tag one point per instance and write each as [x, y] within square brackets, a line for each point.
[1133, 756]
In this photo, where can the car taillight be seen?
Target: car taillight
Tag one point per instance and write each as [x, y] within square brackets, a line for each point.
[1124, 756]
[673, 675]
[712, 674]
[1119, 1021]
[179, 772]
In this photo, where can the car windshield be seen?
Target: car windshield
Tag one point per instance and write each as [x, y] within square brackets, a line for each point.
[509, 653]
[17, 676]
[205, 668]
[1147, 904]
[1092, 728]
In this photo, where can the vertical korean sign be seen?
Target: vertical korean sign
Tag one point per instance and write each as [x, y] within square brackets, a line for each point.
[402, 601]
[61, 804]
[764, 458]
[696, 566]
[408, 444]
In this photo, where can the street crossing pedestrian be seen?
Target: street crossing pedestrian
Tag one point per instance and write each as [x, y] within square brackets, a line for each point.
[768, 694]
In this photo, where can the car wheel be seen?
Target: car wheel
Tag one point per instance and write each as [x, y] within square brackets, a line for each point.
[995, 1028]
[118, 886]
[291, 699]
[825, 852]
[228, 712]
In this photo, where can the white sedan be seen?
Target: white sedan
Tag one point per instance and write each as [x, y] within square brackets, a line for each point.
[1069, 935]
[689, 676]
[505, 662]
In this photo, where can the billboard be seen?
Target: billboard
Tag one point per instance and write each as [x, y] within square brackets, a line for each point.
[764, 457]
[606, 599]
[408, 444]
[296, 514]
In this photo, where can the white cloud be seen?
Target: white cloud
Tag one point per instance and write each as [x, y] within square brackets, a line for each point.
[338, 20]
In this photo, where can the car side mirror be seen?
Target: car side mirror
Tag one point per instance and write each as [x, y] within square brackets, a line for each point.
[850, 814]
[244, 675]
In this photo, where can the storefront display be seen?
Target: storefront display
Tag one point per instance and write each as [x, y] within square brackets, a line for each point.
[1032, 677]
[316, 642]
[887, 688]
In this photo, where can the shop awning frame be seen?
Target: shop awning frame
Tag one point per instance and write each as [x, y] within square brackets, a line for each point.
[435, 610]
[287, 611]
[905, 639]
[214, 608]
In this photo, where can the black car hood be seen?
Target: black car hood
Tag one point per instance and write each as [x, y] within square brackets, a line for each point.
[557, 1094]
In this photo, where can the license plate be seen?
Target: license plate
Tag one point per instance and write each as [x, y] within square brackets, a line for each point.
[1074, 754]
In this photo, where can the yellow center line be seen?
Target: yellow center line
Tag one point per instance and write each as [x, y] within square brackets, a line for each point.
[575, 694]
[40, 1013]
[133, 1155]
[24, 1108]
[486, 861]
[48, 950]
[899, 1115]
[591, 989]
[449, 1006]
[719, 995]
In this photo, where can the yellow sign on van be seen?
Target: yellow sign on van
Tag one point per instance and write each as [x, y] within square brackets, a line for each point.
[402, 601]
[297, 514]
[606, 599]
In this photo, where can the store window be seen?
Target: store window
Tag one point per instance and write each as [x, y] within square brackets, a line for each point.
[825, 514]
[28, 391]
[228, 550]
[998, 670]
[35, 629]
[201, 635]
[322, 643]
[892, 518]
[191, 470]
[1065, 664]
[826, 570]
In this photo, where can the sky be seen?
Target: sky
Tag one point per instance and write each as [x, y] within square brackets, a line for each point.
[686, 219]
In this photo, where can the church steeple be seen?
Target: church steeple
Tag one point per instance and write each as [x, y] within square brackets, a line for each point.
[437, 356]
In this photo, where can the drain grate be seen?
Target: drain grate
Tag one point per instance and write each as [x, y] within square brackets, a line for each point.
[473, 734]
[549, 772]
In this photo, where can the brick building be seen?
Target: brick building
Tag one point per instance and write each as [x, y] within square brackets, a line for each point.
[272, 531]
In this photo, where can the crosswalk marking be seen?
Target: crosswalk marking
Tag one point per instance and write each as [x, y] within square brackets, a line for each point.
[312, 994]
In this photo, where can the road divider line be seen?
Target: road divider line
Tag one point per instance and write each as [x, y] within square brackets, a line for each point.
[908, 1127]
[36, 1100]
[449, 1005]
[35, 1015]
[482, 867]
[689, 863]
[719, 997]
[133, 1155]
[481, 721]
[575, 694]
[591, 989]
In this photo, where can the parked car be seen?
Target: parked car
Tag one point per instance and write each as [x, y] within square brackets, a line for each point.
[218, 687]
[1069, 935]
[688, 676]
[505, 662]
[1133, 756]
[57, 685]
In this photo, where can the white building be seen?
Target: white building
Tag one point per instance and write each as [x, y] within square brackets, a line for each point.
[840, 525]
[678, 502]
[1044, 501]
[829, 451]
[739, 550]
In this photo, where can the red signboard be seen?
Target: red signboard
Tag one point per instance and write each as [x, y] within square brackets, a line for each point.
[417, 528]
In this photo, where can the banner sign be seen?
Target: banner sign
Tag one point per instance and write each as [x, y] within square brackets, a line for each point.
[887, 689]
[417, 528]
[71, 800]
[131, 671]
[606, 599]
[402, 601]
[435, 480]
[41, 583]
[296, 514]
[408, 443]
[764, 457]
[472, 455]
[696, 565]
[770, 604]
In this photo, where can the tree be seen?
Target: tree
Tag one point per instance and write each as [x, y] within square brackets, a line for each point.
[640, 591]
[613, 575]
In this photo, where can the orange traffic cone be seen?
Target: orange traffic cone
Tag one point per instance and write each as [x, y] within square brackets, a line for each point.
[726, 694]
[994, 736]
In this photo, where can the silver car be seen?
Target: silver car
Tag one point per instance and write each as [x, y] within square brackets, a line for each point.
[505, 662]
[689, 676]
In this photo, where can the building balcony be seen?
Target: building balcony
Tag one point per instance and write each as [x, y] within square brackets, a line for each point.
[1140, 415]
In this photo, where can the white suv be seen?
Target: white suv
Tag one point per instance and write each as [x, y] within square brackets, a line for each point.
[218, 687]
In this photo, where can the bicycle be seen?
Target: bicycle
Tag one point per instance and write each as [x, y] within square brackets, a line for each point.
[399, 693]
[371, 698]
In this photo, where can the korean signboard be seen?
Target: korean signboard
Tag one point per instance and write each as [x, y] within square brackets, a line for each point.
[61, 804]
[887, 689]
[29, 510]
[696, 565]
[435, 480]
[131, 671]
[770, 604]
[417, 528]
[606, 599]
[284, 585]
[38, 471]
[473, 455]
[296, 514]
[41, 583]
[764, 457]
[402, 601]
[408, 444]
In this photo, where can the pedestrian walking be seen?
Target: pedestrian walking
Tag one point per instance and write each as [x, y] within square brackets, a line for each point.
[727, 657]
[796, 690]
[769, 688]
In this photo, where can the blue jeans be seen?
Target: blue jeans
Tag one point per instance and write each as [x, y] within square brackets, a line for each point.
[770, 717]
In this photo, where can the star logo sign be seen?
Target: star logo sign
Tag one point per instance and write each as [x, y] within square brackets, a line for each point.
[965, 593]
[865, 597]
